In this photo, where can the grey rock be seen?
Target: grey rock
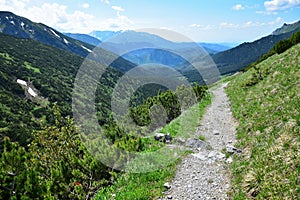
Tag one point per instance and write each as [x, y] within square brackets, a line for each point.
[195, 143]
[231, 149]
[180, 140]
[229, 160]
[167, 185]
[215, 132]
[212, 154]
[220, 155]
[200, 155]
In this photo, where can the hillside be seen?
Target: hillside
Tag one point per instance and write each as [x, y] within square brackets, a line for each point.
[237, 58]
[50, 73]
[266, 102]
[21, 27]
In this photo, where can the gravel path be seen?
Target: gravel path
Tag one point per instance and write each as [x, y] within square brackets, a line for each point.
[205, 173]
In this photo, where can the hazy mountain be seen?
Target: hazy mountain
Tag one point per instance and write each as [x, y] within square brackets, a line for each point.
[104, 35]
[211, 48]
[84, 38]
[239, 57]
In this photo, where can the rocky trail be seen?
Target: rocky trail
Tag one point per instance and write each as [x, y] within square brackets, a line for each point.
[205, 174]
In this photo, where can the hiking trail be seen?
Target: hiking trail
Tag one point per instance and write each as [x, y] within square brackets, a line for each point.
[205, 174]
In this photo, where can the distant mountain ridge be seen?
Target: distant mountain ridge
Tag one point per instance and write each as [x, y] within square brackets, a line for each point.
[287, 28]
[84, 38]
[211, 48]
[104, 35]
[239, 57]
[21, 27]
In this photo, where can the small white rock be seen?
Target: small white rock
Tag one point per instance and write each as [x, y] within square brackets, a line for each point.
[229, 160]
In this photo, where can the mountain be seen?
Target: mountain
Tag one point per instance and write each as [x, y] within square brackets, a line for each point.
[287, 28]
[213, 48]
[84, 38]
[33, 76]
[104, 35]
[239, 57]
[145, 48]
[21, 27]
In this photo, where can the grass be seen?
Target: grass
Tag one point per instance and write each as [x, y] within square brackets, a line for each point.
[28, 66]
[266, 101]
[128, 186]
[202, 138]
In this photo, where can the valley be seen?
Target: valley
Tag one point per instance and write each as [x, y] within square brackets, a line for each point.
[80, 118]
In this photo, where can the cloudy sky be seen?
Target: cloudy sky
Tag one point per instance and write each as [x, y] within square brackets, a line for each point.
[200, 20]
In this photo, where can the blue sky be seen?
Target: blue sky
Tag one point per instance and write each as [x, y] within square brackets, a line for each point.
[202, 21]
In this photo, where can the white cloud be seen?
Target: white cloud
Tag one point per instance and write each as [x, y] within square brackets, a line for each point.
[266, 13]
[228, 25]
[275, 5]
[59, 17]
[253, 24]
[105, 1]
[117, 8]
[238, 7]
[201, 27]
[85, 5]
[53, 15]
[120, 22]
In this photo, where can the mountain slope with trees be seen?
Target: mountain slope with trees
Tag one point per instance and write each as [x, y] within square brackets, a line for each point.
[237, 58]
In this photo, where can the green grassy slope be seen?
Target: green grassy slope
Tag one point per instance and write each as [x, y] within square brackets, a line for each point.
[266, 101]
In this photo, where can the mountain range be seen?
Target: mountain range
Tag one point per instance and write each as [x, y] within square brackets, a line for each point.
[239, 57]
[228, 60]
[98, 36]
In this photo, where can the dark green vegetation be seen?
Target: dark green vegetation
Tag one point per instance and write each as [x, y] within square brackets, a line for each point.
[237, 58]
[171, 103]
[44, 156]
[55, 166]
[266, 100]
[51, 74]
